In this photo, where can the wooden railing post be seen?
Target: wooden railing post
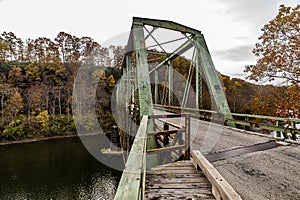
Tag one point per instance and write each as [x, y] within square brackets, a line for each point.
[187, 153]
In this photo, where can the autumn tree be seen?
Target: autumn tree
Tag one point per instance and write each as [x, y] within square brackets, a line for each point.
[4, 50]
[34, 100]
[14, 45]
[33, 72]
[5, 92]
[265, 100]
[111, 83]
[87, 46]
[15, 104]
[118, 55]
[45, 50]
[278, 53]
[63, 41]
[288, 104]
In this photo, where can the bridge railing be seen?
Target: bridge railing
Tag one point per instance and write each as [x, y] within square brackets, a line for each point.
[247, 121]
[174, 141]
[132, 183]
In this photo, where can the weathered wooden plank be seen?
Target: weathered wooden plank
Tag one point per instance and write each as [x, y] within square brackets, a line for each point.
[164, 176]
[179, 163]
[178, 185]
[166, 149]
[170, 123]
[166, 132]
[179, 180]
[221, 188]
[173, 197]
[158, 179]
[179, 193]
[188, 167]
[176, 171]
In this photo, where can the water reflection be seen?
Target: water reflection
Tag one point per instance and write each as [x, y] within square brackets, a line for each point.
[57, 169]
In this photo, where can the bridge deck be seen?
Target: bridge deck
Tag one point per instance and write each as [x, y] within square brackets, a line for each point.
[179, 180]
[267, 174]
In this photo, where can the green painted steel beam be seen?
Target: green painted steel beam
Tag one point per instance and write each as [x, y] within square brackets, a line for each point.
[157, 53]
[170, 81]
[295, 120]
[166, 24]
[213, 81]
[198, 82]
[180, 50]
[143, 78]
[143, 84]
[156, 87]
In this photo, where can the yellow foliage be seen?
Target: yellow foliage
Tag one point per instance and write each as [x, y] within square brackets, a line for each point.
[111, 81]
[15, 103]
[33, 71]
[44, 119]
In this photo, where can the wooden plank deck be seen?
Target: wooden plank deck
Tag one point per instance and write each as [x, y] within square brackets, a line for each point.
[179, 180]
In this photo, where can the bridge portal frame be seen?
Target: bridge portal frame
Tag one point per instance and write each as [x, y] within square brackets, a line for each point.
[204, 64]
[135, 97]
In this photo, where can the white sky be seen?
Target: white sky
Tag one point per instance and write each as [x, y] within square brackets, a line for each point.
[231, 27]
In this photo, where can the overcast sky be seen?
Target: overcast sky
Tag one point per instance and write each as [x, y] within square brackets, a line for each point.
[231, 27]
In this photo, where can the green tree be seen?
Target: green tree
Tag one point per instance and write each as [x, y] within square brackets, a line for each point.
[278, 53]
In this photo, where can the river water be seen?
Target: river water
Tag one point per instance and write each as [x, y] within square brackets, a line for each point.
[54, 169]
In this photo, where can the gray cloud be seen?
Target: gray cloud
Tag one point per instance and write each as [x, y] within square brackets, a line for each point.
[254, 11]
[237, 53]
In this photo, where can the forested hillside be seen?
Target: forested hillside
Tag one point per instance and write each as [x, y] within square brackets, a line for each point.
[37, 77]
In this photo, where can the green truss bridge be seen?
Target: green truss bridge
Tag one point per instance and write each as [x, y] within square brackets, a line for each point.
[180, 151]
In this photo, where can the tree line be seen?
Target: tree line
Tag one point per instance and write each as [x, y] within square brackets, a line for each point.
[36, 81]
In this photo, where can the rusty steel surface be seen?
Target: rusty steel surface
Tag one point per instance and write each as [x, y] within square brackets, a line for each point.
[240, 151]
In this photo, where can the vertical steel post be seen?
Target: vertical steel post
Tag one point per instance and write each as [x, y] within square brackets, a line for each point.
[143, 84]
[127, 98]
[170, 93]
[156, 87]
[198, 81]
[213, 82]
[143, 78]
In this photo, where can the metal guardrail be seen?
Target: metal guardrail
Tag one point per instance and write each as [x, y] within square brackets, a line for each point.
[248, 121]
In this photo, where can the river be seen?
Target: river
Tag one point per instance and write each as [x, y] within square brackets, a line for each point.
[54, 169]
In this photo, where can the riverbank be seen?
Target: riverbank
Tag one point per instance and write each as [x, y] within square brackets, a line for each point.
[39, 139]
